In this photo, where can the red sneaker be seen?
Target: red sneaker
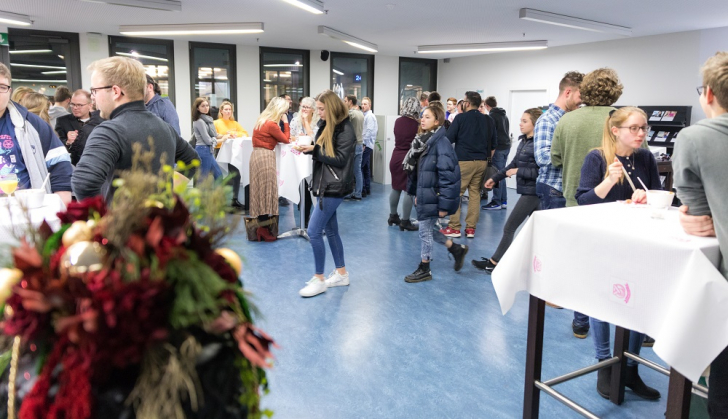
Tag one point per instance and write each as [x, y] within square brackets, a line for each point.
[450, 232]
[470, 233]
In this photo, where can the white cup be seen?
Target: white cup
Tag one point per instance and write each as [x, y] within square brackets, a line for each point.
[304, 140]
[660, 201]
[30, 198]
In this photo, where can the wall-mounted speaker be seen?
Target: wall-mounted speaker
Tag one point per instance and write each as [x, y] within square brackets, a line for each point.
[324, 55]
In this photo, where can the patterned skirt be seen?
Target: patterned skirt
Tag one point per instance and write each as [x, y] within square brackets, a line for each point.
[263, 183]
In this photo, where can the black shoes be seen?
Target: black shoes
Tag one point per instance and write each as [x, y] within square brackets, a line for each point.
[364, 194]
[579, 331]
[604, 381]
[484, 265]
[648, 342]
[282, 201]
[635, 383]
[393, 219]
[237, 205]
[406, 225]
[458, 251]
[421, 274]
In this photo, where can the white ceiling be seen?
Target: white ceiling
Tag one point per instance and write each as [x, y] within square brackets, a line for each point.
[396, 26]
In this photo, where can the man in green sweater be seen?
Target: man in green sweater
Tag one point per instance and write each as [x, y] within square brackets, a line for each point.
[699, 164]
[580, 131]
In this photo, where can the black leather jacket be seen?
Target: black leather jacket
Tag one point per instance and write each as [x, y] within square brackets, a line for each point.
[334, 176]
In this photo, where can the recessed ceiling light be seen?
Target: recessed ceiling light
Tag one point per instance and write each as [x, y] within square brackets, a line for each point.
[30, 51]
[314, 6]
[572, 22]
[338, 72]
[283, 65]
[488, 47]
[192, 29]
[38, 81]
[351, 40]
[166, 5]
[15, 19]
[37, 66]
[136, 55]
[54, 72]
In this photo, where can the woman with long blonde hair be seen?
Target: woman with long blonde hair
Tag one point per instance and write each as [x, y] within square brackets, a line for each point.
[38, 104]
[263, 177]
[333, 179]
[603, 180]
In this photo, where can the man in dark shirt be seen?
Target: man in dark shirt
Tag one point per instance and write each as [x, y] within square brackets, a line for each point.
[118, 87]
[500, 155]
[68, 126]
[474, 136]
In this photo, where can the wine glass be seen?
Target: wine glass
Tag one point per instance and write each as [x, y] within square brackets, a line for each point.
[9, 183]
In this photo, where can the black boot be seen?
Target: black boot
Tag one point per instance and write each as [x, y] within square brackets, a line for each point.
[604, 381]
[421, 274]
[237, 205]
[635, 383]
[458, 251]
[393, 219]
[406, 225]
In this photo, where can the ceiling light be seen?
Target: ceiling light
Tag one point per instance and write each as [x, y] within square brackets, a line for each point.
[267, 81]
[54, 72]
[284, 75]
[572, 22]
[137, 55]
[37, 66]
[314, 6]
[192, 29]
[351, 40]
[283, 65]
[15, 19]
[489, 47]
[166, 5]
[39, 81]
[30, 51]
[338, 72]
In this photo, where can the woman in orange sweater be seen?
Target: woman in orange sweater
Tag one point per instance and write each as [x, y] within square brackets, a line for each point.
[227, 125]
[263, 178]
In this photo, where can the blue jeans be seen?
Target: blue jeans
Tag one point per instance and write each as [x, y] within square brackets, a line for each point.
[324, 218]
[357, 171]
[500, 194]
[600, 333]
[553, 199]
[366, 169]
[207, 162]
[428, 233]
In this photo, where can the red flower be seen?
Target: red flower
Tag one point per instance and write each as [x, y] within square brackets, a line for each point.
[81, 211]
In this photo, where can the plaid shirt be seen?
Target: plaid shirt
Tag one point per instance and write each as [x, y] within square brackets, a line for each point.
[542, 138]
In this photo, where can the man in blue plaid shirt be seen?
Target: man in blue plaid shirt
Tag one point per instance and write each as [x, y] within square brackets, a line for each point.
[549, 185]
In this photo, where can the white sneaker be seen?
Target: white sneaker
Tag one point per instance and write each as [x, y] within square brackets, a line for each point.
[336, 279]
[313, 287]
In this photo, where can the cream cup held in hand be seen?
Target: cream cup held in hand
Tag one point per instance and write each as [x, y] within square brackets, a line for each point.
[660, 201]
[304, 140]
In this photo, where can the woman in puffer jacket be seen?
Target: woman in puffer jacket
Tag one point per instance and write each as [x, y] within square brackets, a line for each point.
[525, 168]
[434, 181]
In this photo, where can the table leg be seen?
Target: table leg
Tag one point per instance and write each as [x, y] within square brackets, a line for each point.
[534, 356]
[299, 231]
[679, 393]
[619, 370]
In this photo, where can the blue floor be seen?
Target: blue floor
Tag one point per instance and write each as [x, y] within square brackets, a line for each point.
[382, 348]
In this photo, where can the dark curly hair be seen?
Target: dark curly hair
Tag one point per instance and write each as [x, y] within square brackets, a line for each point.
[601, 87]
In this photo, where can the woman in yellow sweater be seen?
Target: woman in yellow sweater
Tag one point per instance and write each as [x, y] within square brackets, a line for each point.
[227, 125]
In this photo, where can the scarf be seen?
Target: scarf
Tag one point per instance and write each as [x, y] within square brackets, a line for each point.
[419, 145]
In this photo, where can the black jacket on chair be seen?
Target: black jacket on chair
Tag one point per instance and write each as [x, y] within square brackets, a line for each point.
[334, 176]
[525, 162]
[66, 124]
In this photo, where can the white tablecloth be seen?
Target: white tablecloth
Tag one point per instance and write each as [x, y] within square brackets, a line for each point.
[614, 262]
[292, 168]
[12, 217]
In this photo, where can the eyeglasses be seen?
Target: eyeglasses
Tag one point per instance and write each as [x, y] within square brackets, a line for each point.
[96, 89]
[700, 90]
[634, 129]
[78, 105]
[4, 88]
[306, 107]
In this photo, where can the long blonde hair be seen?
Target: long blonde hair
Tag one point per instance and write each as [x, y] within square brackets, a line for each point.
[232, 110]
[609, 141]
[38, 104]
[273, 112]
[335, 111]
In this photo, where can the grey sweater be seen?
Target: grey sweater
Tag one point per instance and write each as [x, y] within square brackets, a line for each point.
[700, 166]
[205, 131]
[109, 148]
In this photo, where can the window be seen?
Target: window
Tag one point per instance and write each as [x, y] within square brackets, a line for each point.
[416, 75]
[213, 71]
[283, 71]
[352, 74]
[157, 56]
[44, 60]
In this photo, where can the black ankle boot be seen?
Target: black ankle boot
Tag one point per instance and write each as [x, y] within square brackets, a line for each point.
[421, 274]
[458, 251]
[406, 225]
[635, 383]
[393, 219]
[604, 381]
[237, 205]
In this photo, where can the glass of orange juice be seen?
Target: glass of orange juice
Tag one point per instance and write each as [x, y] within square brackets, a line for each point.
[9, 183]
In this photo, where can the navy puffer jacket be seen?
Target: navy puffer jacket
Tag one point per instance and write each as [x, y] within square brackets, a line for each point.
[525, 162]
[436, 181]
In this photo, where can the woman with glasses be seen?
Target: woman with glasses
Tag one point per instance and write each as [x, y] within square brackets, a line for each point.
[603, 180]
[227, 125]
[207, 136]
[305, 124]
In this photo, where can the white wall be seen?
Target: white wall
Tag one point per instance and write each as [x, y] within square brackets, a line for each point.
[320, 73]
[655, 70]
[248, 106]
[93, 46]
[386, 80]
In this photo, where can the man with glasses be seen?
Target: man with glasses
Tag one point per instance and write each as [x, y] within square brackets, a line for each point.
[68, 126]
[29, 148]
[119, 84]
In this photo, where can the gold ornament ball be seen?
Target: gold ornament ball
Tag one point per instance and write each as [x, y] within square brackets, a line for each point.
[8, 279]
[79, 231]
[231, 258]
[83, 257]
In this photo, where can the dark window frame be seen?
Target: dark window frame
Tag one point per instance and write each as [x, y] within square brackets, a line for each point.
[415, 60]
[232, 79]
[306, 54]
[73, 75]
[113, 39]
[370, 70]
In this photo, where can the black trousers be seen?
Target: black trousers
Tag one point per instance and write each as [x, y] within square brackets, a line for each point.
[235, 181]
[718, 387]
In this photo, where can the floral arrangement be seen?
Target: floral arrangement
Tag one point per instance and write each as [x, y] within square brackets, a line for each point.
[143, 285]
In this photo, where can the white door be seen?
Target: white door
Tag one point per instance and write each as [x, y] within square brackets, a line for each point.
[520, 101]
